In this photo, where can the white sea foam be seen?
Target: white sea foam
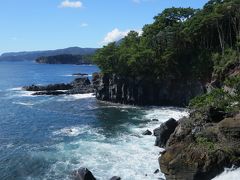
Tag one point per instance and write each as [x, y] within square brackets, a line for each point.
[15, 89]
[229, 174]
[76, 131]
[19, 92]
[24, 103]
[76, 97]
[131, 156]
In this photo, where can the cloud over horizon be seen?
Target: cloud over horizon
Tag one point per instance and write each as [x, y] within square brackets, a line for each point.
[71, 4]
[116, 35]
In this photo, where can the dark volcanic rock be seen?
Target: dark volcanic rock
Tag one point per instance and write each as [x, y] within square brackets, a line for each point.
[52, 93]
[83, 174]
[115, 178]
[80, 74]
[51, 87]
[147, 132]
[164, 131]
[156, 171]
[216, 114]
[201, 147]
[78, 86]
[145, 91]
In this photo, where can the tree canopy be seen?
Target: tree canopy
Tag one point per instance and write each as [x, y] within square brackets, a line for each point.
[180, 43]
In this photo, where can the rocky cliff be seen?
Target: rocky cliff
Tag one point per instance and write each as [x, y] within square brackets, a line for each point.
[145, 91]
[202, 146]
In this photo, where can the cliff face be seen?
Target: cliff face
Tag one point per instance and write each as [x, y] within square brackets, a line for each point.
[144, 91]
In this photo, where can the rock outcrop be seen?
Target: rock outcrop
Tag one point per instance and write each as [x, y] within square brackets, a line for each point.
[144, 91]
[115, 178]
[164, 131]
[78, 86]
[202, 146]
[147, 132]
[83, 174]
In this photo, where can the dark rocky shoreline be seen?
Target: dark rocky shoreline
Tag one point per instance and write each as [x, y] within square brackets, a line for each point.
[144, 91]
[196, 147]
[79, 86]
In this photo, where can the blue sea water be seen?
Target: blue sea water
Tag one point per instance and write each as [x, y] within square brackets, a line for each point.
[47, 137]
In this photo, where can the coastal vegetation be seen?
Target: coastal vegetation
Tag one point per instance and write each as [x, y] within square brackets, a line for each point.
[180, 43]
[65, 59]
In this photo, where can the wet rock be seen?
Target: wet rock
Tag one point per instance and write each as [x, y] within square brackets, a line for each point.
[83, 174]
[147, 132]
[78, 86]
[52, 93]
[156, 171]
[80, 74]
[155, 120]
[115, 178]
[164, 131]
[51, 87]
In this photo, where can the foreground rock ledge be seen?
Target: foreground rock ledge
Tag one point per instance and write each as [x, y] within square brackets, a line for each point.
[202, 146]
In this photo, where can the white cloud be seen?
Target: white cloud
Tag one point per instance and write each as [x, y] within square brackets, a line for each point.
[71, 4]
[84, 25]
[116, 35]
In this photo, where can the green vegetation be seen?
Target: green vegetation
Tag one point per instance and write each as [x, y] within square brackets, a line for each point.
[206, 143]
[181, 43]
[66, 59]
[184, 44]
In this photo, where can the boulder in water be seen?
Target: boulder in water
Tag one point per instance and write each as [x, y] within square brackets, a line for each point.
[83, 174]
[115, 178]
[147, 132]
[164, 131]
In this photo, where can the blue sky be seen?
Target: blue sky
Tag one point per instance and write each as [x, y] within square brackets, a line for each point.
[52, 24]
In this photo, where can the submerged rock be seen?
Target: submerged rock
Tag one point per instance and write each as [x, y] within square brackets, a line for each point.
[156, 171]
[83, 174]
[147, 132]
[164, 131]
[80, 74]
[115, 178]
[53, 93]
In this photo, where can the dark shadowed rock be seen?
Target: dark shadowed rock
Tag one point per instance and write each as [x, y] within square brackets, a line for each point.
[51, 87]
[156, 171]
[78, 86]
[50, 93]
[80, 74]
[216, 114]
[164, 131]
[83, 174]
[143, 90]
[115, 178]
[147, 132]
[155, 120]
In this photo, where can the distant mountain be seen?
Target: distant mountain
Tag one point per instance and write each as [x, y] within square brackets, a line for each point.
[33, 55]
[65, 59]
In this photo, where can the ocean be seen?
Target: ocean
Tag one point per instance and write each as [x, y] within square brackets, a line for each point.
[48, 137]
